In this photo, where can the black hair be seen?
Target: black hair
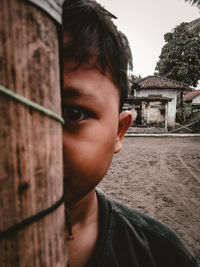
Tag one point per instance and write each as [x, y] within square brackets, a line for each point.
[92, 34]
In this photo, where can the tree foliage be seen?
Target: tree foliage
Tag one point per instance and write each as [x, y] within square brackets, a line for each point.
[194, 2]
[194, 26]
[134, 80]
[180, 56]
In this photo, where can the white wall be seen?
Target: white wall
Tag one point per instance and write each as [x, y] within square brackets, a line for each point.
[171, 93]
[196, 100]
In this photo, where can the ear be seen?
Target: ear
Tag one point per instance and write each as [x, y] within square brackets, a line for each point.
[125, 119]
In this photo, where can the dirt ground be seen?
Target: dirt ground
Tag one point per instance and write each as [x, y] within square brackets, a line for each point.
[160, 177]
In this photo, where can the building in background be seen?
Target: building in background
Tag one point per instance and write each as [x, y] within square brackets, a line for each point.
[193, 98]
[154, 101]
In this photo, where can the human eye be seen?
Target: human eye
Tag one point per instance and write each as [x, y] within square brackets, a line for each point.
[75, 113]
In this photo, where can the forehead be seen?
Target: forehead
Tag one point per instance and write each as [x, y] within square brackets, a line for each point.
[87, 81]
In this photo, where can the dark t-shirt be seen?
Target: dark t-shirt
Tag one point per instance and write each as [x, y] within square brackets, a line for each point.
[130, 238]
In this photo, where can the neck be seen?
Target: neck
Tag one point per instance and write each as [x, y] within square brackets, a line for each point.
[84, 221]
[85, 210]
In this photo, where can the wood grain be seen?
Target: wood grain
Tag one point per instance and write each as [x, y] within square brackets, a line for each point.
[30, 142]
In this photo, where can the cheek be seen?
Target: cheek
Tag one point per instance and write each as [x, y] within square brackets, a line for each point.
[91, 152]
[84, 169]
[87, 156]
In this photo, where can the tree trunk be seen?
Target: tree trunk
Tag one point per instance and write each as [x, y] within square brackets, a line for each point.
[31, 178]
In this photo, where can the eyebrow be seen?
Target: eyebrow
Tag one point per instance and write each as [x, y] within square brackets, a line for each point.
[76, 92]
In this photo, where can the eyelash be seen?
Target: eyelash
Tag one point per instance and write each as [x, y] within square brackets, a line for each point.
[75, 114]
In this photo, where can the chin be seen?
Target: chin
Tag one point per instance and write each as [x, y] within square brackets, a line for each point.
[73, 197]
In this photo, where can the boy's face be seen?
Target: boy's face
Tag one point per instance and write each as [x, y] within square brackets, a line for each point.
[90, 136]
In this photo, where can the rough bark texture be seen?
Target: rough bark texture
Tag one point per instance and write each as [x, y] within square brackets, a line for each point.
[30, 143]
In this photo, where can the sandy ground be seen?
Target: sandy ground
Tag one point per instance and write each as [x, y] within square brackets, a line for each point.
[161, 177]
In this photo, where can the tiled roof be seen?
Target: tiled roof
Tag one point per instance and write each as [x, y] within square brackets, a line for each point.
[191, 95]
[161, 82]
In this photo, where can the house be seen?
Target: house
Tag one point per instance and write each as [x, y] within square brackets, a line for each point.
[193, 98]
[149, 111]
[155, 99]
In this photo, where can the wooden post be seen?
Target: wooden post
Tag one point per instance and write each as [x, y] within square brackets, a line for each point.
[31, 178]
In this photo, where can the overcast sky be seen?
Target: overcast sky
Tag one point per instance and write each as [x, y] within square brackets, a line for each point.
[145, 22]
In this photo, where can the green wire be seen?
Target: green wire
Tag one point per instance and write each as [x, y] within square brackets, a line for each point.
[31, 104]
